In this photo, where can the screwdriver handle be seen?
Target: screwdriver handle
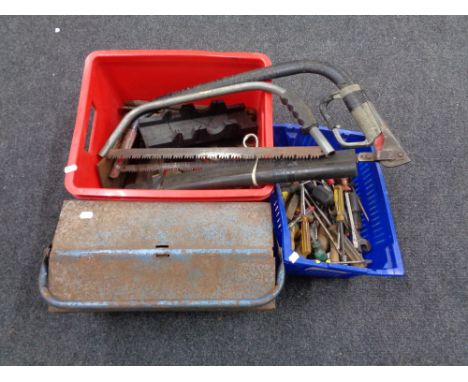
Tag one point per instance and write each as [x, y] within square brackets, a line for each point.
[291, 205]
[345, 184]
[319, 253]
[294, 230]
[323, 239]
[334, 255]
[339, 203]
[306, 249]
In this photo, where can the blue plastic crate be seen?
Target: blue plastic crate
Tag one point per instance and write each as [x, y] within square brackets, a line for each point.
[380, 230]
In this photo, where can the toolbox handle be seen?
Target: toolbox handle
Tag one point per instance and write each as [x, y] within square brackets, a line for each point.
[164, 305]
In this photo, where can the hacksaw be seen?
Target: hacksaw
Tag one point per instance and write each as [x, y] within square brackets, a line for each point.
[297, 152]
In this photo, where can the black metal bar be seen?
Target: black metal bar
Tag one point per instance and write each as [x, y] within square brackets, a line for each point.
[341, 164]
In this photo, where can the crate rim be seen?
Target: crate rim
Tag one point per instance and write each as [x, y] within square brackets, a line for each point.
[82, 115]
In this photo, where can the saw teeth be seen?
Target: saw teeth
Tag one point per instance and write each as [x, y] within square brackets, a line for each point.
[197, 165]
[218, 153]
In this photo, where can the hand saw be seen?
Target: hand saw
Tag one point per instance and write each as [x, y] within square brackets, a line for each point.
[295, 105]
[388, 150]
[296, 152]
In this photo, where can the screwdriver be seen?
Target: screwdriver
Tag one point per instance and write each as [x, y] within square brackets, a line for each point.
[318, 192]
[352, 221]
[292, 205]
[356, 209]
[345, 184]
[306, 249]
[322, 223]
[358, 200]
[294, 232]
[289, 190]
[319, 253]
[340, 217]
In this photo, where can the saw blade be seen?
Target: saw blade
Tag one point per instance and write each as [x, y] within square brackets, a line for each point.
[161, 166]
[296, 152]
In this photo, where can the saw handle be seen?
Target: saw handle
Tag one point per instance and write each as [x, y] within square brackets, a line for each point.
[364, 114]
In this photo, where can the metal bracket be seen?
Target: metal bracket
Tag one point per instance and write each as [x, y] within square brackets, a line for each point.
[349, 145]
[323, 107]
[391, 154]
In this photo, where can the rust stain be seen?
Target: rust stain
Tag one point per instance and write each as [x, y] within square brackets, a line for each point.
[147, 251]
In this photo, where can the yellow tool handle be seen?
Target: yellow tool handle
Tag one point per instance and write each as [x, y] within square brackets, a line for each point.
[323, 239]
[294, 230]
[306, 247]
[339, 203]
[334, 255]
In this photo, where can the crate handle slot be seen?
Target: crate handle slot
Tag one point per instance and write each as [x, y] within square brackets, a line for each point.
[91, 121]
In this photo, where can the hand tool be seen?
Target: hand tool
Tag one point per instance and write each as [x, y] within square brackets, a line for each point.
[388, 150]
[325, 229]
[305, 227]
[298, 152]
[340, 218]
[352, 253]
[127, 143]
[324, 216]
[343, 243]
[354, 234]
[361, 207]
[323, 239]
[291, 188]
[334, 252]
[295, 105]
[354, 262]
[104, 167]
[355, 209]
[160, 165]
[359, 242]
[291, 205]
[345, 184]
[295, 231]
[296, 219]
[263, 172]
[289, 192]
[319, 253]
[321, 194]
[347, 245]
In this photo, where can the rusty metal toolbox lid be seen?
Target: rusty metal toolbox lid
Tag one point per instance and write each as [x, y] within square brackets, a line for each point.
[161, 256]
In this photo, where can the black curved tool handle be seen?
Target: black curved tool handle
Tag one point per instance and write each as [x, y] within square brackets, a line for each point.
[303, 114]
[357, 102]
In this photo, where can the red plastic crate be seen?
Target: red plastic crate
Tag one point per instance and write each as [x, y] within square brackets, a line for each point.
[112, 77]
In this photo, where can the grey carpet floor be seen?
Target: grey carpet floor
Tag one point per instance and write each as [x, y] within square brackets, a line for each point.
[415, 68]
